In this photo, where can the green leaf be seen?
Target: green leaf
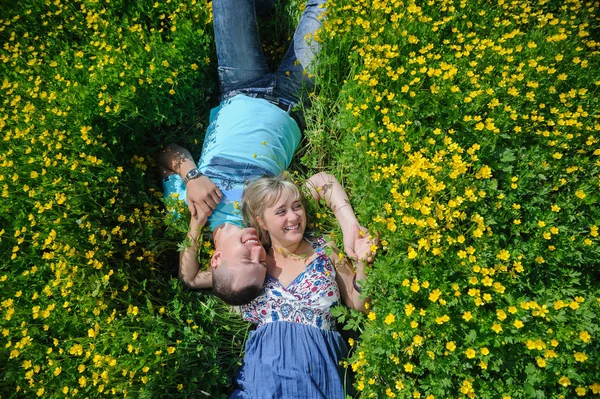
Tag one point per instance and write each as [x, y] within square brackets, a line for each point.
[507, 156]
[529, 390]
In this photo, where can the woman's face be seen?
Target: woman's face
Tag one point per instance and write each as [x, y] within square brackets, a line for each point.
[285, 221]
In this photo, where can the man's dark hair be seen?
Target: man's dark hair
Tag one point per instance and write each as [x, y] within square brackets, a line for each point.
[222, 281]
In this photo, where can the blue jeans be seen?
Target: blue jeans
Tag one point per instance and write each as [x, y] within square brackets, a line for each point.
[242, 64]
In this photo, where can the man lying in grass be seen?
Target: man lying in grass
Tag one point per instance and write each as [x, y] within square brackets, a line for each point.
[253, 132]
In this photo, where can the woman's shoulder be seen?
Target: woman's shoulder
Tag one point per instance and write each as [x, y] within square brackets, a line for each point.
[321, 242]
[315, 239]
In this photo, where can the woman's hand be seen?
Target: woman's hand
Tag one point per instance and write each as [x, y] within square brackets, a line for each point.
[364, 245]
[189, 268]
[197, 221]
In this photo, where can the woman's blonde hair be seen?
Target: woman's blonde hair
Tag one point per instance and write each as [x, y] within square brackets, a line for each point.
[262, 193]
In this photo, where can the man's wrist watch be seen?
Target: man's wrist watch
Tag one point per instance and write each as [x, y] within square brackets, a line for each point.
[192, 174]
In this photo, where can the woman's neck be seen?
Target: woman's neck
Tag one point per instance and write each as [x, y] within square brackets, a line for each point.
[295, 250]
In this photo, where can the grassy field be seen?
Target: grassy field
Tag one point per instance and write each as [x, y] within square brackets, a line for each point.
[467, 134]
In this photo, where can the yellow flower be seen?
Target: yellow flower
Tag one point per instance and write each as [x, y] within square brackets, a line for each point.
[451, 346]
[503, 255]
[585, 336]
[372, 316]
[411, 253]
[467, 316]
[564, 381]
[408, 367]
[360, 386]
[497, 328]
[470, 353]
[501, 314]
[418, 340]
[389, 319]
[518, 324]
[434, 295]
[580, 391]
[580, 357]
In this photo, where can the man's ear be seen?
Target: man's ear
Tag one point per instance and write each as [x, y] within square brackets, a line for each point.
[215, 261]
[260, 223]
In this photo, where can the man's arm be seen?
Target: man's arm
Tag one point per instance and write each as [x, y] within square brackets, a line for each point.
[325, 186]
[189, 268]
[202, 193]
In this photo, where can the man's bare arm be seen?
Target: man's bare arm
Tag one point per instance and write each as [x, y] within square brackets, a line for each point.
[202, 194]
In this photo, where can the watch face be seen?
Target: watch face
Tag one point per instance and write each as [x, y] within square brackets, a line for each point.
[192, 174]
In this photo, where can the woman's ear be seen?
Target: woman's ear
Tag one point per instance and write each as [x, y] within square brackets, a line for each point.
[261, 223]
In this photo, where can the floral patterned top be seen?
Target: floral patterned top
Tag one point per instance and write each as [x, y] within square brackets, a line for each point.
[306, 300]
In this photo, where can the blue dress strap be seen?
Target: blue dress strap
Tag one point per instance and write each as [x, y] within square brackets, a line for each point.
[319, 242]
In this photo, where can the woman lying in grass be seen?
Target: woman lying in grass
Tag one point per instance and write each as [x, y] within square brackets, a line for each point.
[295, 351]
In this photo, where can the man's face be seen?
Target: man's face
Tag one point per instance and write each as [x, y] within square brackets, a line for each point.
[244, 255]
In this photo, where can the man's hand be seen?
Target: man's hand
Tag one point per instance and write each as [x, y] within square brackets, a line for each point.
[202, 195]
[364, 245]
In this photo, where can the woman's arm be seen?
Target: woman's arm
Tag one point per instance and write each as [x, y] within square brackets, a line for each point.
[201, 192]
[346, 279]
[189, 268]
[325, 186]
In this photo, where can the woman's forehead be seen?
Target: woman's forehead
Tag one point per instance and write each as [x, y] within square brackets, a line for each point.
[282, 196]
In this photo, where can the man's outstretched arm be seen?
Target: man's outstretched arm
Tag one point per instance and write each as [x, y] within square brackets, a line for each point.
[189, 268]
[202, 193]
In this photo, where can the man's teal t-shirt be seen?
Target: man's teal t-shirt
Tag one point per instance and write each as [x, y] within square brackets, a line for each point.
[246, 138]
